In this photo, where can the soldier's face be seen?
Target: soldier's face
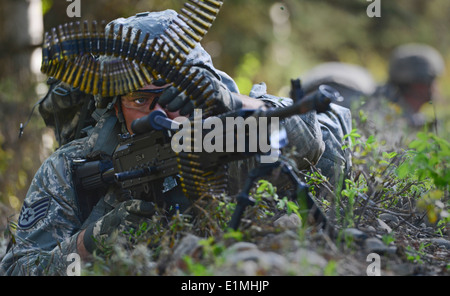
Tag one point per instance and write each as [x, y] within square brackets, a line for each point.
[418, 94]
[142, 102]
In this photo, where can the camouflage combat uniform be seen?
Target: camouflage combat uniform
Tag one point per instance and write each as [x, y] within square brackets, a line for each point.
[391, 117]
[51, 217]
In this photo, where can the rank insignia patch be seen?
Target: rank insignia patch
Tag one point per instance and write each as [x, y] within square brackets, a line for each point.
[30, 214]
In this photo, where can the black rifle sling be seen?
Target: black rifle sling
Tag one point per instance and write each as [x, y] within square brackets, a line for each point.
[106, 143]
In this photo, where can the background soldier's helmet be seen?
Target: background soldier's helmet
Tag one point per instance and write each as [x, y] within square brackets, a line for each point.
[352, 81]
[155, 23]
[411, 63]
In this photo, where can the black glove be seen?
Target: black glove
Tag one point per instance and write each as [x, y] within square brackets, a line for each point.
[129, 214]
[219, 99]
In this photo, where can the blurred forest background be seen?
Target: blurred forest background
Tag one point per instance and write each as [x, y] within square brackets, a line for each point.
[252, 40]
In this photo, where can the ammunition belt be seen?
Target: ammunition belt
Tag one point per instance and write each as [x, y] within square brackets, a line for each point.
[70, 51]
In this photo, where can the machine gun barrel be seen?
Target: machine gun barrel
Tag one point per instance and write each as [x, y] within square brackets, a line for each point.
[129, 175]
[156, 120]
[319, 101]
[148, 156]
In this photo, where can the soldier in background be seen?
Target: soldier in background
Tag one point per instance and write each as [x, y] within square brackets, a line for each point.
[353, 82]
[395, 111]
[413, 70]
[391, 111]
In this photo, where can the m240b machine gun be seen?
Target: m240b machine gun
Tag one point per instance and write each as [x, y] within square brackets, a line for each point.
[146, 161]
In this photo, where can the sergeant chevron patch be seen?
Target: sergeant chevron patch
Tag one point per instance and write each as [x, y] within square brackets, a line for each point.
[30, 214]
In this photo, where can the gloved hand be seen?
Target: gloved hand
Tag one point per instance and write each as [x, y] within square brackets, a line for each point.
[219, 100]
[129, 214]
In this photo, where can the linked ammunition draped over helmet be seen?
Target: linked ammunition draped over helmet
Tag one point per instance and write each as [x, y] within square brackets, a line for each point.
[162, 29]
[133, 51]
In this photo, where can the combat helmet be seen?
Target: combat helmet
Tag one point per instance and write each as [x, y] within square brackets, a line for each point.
[352, 81]
[413, 62]
[155, 24]
[99, 62]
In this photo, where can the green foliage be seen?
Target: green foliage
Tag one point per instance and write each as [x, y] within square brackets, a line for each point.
[248, 68]
[414, 255]
[196, 268]
[19, 158]
[46, 6]
[288, 205]
[382, 179]
[388, 239]
[331, 268]
[269, 45]
[427, 161]
[264, 195]
[428, 157]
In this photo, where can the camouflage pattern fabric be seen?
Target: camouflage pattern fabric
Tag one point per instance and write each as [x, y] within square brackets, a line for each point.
[127, 215]
[51, 217]
[62, 110]
[389, 112]
[43, 241]
[316, 138]
[335, 163]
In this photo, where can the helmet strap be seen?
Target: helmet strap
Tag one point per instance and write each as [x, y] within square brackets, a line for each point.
[120, 117]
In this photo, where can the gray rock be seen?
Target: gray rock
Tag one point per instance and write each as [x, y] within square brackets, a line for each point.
[369, 229]
[285, 241]
[386, 217]
[355, 234]
[242, 246]
[375, 245]
[264, 260]
[288, 221]
[441, 242]
[309, 257]
[187, 246]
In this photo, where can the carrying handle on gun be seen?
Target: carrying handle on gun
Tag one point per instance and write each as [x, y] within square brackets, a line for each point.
[320, 101]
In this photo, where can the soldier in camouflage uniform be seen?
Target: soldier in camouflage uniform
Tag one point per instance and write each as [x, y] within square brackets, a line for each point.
[395, 108]
[353, 82]
[53, 224]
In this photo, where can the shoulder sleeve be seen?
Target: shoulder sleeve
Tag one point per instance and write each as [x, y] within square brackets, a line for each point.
[335, 162]
[304, 131]
[48, 222]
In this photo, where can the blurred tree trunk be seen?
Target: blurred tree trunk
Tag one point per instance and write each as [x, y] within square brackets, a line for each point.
[21, 33]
